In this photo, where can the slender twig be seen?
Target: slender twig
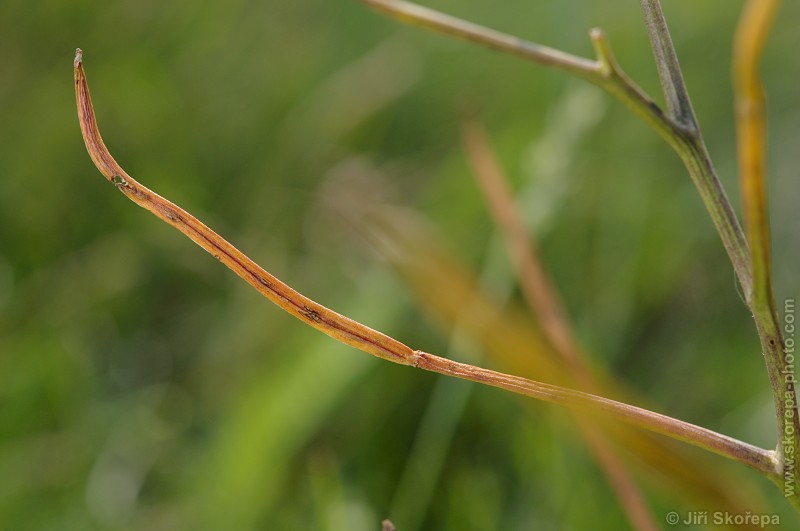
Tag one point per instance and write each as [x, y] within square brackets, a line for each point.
[372, 342]
[676, 95]
[544, 301]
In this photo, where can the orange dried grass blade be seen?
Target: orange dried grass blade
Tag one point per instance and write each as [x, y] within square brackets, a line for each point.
[539, 292]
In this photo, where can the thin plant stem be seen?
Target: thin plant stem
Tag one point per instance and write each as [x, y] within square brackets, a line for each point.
[755, 24]
[544, 301]
[756, 458]
[676, 95]
[375, 343]
[544, 55]
[691, 147]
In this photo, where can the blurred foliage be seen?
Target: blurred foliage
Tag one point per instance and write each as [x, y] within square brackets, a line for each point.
[146, 387]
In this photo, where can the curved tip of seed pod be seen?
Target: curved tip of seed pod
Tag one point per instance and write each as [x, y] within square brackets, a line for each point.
[78, 57]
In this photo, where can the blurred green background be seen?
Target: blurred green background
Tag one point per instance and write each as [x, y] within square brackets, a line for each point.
[144, 386]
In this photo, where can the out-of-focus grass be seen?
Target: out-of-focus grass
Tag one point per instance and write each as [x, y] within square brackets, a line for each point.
[145, 387]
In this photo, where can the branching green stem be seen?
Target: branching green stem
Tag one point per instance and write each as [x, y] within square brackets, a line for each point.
[754, 26]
